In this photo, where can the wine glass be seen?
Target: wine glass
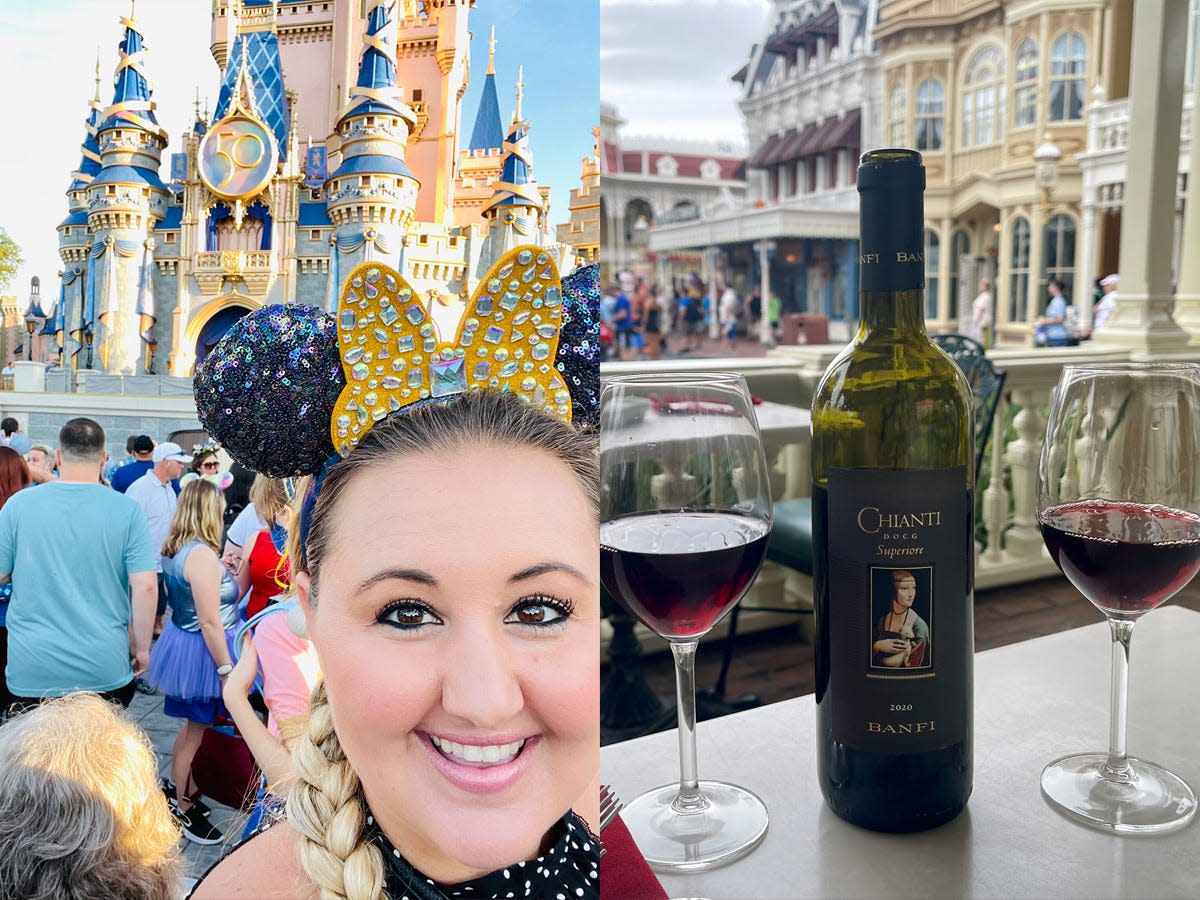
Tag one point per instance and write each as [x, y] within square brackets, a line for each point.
[1118, 502]
[685, 517]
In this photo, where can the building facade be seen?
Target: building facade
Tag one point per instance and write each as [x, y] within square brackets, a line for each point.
[1024, 158]
[355, 156]
[650, 183]
[810, 98]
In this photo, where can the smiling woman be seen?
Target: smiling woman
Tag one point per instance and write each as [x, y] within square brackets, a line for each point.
[450, 584]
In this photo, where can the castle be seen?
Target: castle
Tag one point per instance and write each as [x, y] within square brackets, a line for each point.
[290, 183]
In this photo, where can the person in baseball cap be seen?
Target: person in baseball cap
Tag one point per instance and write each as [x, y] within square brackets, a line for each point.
[1108, 303]
[169, 451]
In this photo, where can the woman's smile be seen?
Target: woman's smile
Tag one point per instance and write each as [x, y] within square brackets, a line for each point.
[484, 768]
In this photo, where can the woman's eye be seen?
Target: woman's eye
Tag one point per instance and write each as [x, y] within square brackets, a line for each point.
[409, 616]
[539, 611]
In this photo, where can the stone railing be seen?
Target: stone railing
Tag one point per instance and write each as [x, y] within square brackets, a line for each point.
[983, 159]
[212, 267]
[1108, 126]
[1013, 552]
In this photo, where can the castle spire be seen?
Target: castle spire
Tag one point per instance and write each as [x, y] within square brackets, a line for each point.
[520, 93]
[96, 98]
[131, 104]
[488, 133]
[376, 89]
[516, 187]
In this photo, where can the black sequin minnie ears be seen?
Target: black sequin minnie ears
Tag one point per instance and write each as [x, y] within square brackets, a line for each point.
[288, 386]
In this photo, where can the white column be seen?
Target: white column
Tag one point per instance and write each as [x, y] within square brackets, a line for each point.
[1187, 298]
[1085, 273]
[1142, 321]
[765, 335]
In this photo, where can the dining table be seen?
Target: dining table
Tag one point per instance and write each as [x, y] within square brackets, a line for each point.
[1035, 700]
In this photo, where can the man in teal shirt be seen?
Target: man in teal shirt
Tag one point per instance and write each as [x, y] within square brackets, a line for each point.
[71, 610]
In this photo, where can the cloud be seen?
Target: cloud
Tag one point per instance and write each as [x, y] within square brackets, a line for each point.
[666, 64]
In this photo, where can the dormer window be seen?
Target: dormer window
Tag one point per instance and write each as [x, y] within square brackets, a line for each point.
[418, 95]
[365, 181]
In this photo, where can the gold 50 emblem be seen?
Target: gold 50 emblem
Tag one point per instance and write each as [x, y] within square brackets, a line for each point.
[237, 157]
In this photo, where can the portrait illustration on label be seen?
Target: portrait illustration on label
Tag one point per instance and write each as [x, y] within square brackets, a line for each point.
[902, 614]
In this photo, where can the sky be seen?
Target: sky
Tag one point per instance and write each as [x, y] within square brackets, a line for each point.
[666, 64]
[47, 70]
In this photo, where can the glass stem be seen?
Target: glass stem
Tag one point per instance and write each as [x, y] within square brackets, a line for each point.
[689, 800]
[1116, 767]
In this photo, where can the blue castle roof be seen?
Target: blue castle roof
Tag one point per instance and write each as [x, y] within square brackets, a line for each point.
[89, 163]
[377, 72]
[75, 218]
[131, 96]
[263, 65]
[488, 132]
[173, 218]
[373, 164]
[129, 175]
[314, 215]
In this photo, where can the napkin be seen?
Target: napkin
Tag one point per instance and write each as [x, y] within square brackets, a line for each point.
[624, 872]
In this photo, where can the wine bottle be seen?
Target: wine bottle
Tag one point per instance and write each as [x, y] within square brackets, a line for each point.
[893, 527]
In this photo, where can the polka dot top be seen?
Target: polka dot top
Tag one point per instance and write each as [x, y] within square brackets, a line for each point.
[570, 870]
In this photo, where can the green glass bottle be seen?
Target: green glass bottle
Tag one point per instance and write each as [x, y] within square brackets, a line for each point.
[893, 526]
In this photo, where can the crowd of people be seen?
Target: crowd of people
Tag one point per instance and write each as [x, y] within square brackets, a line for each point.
[640, 318]
[136, 577]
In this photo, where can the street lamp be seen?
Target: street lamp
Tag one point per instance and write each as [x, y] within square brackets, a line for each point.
[34, 315]
[1046, 159]
[87, 336]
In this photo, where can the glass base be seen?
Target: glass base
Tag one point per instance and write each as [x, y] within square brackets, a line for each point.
[1150, 800]
[732, 824]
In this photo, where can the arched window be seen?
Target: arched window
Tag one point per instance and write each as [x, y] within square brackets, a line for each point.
[1059, 259]
[1025, 85]
[1018, 272]
[960, 246]
[931, 273]
[983, 99]
[897, 121]
[1068, 67]
[931, 115]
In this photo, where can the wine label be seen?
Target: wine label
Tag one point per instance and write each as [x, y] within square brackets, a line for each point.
[900, 573]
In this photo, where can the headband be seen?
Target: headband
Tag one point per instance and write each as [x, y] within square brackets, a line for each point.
[290, 387]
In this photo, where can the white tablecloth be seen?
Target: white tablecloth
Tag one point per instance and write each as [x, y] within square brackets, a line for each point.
[1034, 701]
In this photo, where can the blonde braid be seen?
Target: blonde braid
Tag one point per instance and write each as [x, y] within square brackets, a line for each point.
[325, 806]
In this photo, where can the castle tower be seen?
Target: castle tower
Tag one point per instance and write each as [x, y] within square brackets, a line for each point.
[371, 198]
[480, 160]
[73, 239]
[125, 200]
[514, 212]
[582, 232]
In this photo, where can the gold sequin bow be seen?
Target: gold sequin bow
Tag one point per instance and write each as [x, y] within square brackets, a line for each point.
[393, 356]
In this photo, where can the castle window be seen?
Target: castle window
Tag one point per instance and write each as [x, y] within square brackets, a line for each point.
[418, 95]
[111, 190]
[169, 237]
[1025, 87]
[67, 231]
[1068, 68]
[931, 115]
[314, 234]
[365, 181]
[315, 194]
[423, 239]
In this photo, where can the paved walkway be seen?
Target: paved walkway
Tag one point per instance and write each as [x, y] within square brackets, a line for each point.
[147, 712]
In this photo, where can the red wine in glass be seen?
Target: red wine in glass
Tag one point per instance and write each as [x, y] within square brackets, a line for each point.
[680, 572]
[1126, 558]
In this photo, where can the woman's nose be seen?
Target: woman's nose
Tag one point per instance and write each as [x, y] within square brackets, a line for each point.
[480, 682]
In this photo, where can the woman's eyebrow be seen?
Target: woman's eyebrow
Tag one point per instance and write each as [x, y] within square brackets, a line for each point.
[546, 568]
[417, 575]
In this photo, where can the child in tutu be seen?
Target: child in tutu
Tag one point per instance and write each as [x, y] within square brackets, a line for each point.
[193, 657]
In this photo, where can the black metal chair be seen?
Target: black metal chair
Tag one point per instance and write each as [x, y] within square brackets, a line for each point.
[791, 542]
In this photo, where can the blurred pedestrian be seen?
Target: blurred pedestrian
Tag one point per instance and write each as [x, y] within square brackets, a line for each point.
[76, 552]
[1108, 303]
[14, 476]
[981, 311]
[142, 462]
